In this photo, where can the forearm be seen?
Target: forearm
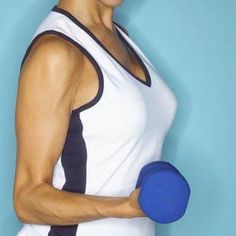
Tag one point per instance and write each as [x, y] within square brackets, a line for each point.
[48, 205]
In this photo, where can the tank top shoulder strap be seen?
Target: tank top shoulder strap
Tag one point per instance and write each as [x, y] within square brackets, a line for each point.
[63, 25]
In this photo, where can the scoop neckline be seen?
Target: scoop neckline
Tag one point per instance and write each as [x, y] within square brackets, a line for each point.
[71, 17]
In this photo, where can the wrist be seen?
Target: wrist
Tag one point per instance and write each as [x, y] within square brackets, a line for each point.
[115, 207]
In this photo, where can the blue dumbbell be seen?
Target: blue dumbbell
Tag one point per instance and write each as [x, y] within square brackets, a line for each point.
[153, 166]
[164, 192]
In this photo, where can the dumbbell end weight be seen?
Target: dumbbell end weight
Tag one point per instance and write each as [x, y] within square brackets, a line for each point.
[164, 196]
[154, 166]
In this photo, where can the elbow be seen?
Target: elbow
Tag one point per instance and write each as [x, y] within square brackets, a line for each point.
[21, 204]
[20, 211]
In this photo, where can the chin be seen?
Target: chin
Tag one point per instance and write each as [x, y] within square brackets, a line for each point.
[112, 3]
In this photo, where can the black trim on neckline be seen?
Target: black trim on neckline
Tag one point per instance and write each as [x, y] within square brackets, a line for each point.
[147, 82]
[99, 94]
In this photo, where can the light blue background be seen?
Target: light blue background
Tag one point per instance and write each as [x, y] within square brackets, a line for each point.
[193, 45]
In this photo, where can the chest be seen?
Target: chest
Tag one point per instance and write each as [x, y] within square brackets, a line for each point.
[130, 109]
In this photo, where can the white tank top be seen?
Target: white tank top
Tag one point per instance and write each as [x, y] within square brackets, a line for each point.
[112, 136]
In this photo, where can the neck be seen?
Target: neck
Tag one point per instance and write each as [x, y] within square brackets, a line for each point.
[90, 12]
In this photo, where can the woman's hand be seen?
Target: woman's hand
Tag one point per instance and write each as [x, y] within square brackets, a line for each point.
[132, 204]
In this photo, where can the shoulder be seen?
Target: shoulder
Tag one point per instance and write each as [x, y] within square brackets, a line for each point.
[50, 51]
[52, 65]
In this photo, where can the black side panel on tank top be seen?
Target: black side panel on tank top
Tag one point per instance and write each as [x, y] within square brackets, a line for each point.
[73, 159]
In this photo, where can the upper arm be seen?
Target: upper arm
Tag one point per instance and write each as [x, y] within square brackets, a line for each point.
[44, 100]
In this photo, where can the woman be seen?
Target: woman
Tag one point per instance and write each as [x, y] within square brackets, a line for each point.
[91, 111]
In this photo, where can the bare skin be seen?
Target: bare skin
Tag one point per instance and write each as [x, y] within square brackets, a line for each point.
[57, 77]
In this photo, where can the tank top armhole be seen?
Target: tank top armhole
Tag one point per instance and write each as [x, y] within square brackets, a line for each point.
[100, 76]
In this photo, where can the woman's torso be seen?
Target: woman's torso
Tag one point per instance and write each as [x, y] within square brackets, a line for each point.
[112, 136]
